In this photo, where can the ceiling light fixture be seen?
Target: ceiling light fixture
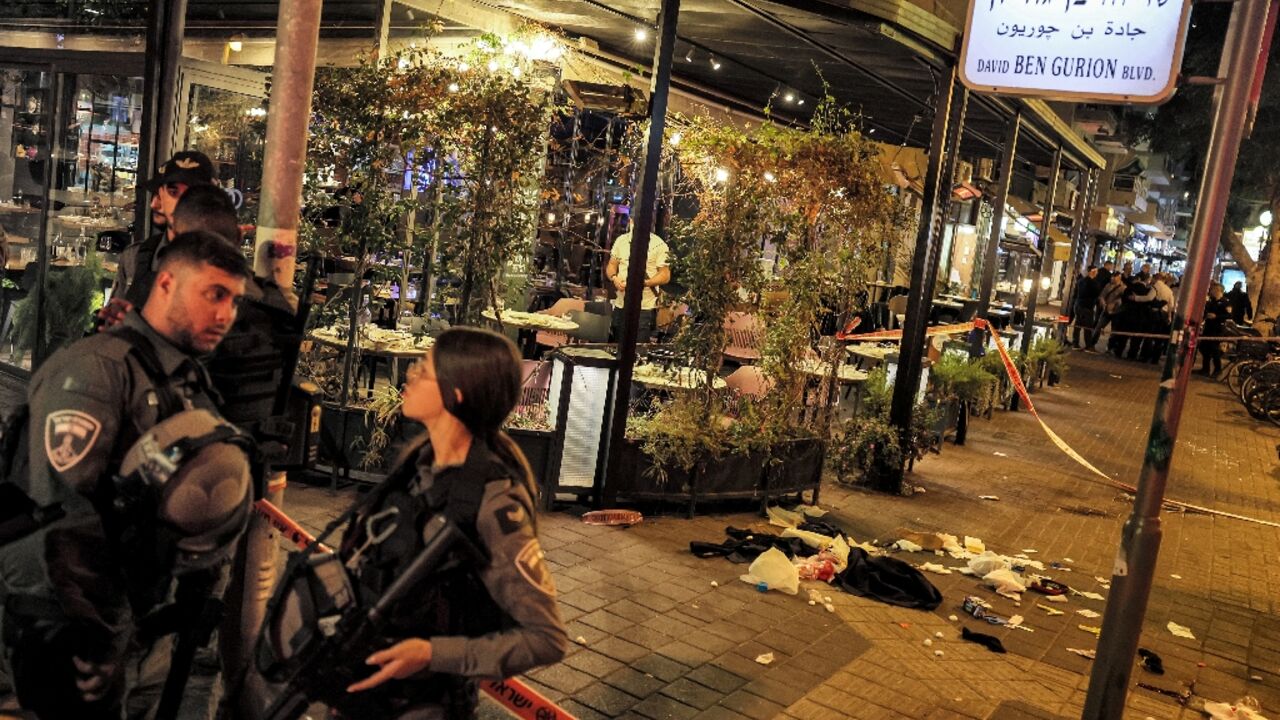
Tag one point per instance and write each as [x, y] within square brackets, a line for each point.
[715, 64]
[641, 34]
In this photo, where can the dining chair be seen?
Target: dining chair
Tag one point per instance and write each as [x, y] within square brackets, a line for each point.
[749, 380]
[898, 310]
[745, 337]
[592, 328]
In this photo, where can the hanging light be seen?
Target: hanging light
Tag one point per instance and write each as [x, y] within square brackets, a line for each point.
[493, 66]
[721, 175]
[688, 57]
[770, 177]
[800, 101]
[675, 139]
[1026, 285]
[551, 217]
[1264, 218]
[789, 97]
[236, 43]
[641, 34]
[1045, 283]
[453, 87]
[715, 64]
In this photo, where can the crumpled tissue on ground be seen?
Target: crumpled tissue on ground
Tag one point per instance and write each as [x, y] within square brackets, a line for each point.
[1246, 708]
[974, 545]
[1180, 630]
[907, 546]
[1006, 582]
[935, 568]
[812, 511]
[774, 569]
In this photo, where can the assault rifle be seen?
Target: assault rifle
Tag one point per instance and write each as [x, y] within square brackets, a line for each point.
[323, 668]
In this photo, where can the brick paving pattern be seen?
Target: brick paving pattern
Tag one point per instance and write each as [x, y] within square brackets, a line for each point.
[654, 639]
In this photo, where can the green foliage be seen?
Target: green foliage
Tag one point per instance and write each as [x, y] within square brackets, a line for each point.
[868, 450]
[958, 377]
[1046, 355]
[71, 296]
[384, 407]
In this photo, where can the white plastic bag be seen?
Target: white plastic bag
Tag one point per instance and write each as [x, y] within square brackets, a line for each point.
[774, 570]
[987, 563]
[1004, 581]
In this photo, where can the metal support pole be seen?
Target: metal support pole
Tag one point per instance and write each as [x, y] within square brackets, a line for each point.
[642, 227]
[924, 264]
[166, 22]
[1083, 206]
[285, 153]
[1011, 133]
[1135, 562]
[1046, 252]
[280, 206]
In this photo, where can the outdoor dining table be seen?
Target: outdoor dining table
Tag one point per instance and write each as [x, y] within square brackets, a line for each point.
[866, 355]
[849, 384]
[396, 347]
[528, 324]
[674, 378]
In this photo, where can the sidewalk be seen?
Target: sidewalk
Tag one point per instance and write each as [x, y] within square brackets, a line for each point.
[655, 639]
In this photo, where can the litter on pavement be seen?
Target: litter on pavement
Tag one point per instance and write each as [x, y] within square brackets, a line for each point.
[990, 642]
[1180, 630]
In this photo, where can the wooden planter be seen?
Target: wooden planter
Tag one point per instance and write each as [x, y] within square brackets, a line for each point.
[537, 446]
[796, 467]
[344, 434]
[733, 476]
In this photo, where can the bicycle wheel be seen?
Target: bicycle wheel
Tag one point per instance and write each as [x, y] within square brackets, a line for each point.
[1253, 394]
[1266, 374]
[1271, 405]
[1236, 373]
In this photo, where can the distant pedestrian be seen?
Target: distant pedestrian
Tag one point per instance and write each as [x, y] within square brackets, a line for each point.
[1241, 307]
[1216, 313]
[1105, 272]
[1135, 315]
[1086, 306]
[1109, 303]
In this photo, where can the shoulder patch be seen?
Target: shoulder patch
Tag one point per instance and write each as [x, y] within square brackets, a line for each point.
[510, 518]
[68, 437]
[533, 566]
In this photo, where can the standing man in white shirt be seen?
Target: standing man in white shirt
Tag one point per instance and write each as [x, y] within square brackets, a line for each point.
[656, 274]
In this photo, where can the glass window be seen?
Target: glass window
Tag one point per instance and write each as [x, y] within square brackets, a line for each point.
[230, 128]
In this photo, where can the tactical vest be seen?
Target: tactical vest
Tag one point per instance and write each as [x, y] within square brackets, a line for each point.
[453, 601]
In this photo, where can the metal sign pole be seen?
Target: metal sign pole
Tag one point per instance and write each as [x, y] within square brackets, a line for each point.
[1135, 561]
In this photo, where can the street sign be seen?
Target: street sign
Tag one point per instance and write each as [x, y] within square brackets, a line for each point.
[1109, 51]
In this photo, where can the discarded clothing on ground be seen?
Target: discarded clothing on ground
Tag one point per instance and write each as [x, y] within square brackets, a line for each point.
[743, 546]
[888, 580]
[990, 642]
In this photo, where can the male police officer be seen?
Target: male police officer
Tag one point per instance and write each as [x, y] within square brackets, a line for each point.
[138, 262]
[76, 592]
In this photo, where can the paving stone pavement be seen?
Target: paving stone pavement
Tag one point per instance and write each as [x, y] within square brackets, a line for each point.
[654, 639]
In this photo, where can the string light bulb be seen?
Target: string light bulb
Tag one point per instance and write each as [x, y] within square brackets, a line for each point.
[769, 176]
[641, 34]
[676, 138]
[800, 101]
[721, 175]
[1044, 283]
[453, 87]
[688, 57]
[715, 64]
[789, 97]
[551, 217]
[493, 66]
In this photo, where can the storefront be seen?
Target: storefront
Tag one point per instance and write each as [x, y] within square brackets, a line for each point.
[69, 149]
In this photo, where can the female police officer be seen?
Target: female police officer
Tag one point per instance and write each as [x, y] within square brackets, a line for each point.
[470, 620]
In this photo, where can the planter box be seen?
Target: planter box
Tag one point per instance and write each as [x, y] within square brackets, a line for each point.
[732, 476]
[344, 434]
[537, 446]
[796, 467]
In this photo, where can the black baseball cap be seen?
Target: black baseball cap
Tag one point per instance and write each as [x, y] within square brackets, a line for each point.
[189, 167]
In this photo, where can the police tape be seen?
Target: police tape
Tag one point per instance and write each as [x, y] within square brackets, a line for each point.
[517, 698]
[1062, 445]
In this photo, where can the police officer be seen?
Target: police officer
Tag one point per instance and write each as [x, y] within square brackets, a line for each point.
[468, 621]
[139, 261]
[76, 593]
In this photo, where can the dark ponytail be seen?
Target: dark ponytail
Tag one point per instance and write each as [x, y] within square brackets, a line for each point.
[485, 368]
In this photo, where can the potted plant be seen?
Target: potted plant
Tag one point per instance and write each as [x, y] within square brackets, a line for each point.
[70, 296]
[1047, 361]
[963, 387]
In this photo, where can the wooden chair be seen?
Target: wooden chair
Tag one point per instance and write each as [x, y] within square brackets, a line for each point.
[745, 338]
[749, 380]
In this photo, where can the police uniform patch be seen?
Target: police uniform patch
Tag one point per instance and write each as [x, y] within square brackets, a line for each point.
[68, 437]
[533, 566]
[510, 518]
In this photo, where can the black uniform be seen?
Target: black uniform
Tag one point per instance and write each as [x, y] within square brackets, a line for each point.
[1216, 314]
[483, 622]
[76, 588]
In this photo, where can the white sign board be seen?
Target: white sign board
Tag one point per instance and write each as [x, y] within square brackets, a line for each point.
[1117, 51]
